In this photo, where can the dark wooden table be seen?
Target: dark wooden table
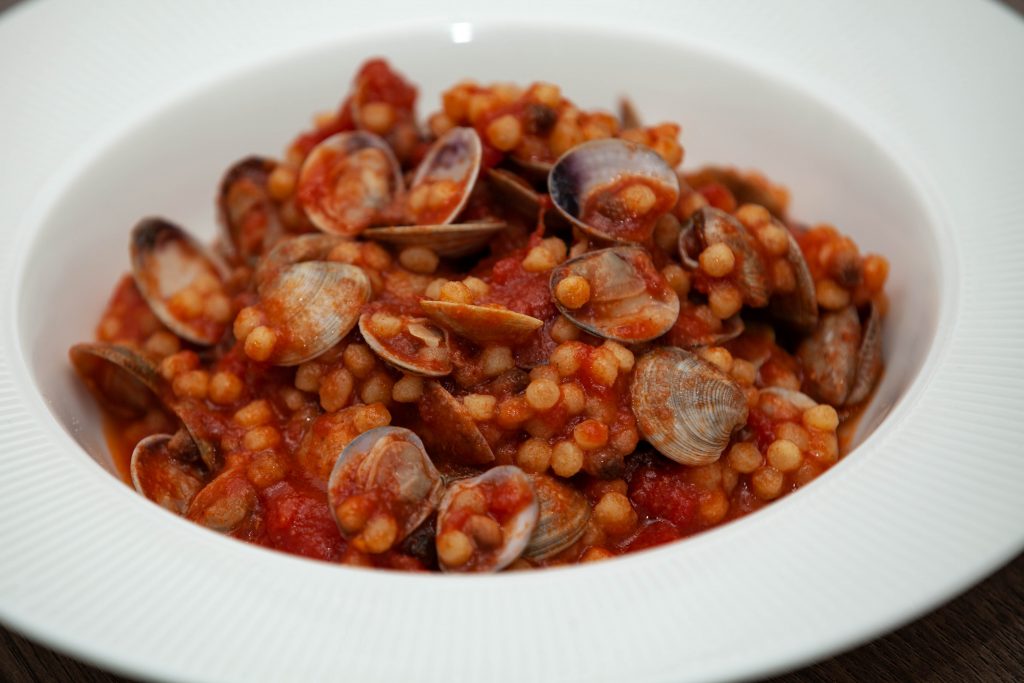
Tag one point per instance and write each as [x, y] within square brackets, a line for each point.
[976, 637]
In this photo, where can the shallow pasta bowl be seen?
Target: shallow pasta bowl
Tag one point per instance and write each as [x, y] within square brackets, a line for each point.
[868, 134]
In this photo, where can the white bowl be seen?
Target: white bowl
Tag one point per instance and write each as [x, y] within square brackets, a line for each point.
[112, 578]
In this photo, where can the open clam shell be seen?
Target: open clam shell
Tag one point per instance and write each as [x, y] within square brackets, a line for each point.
[800, 307]
[630, 301]
[748, 187]
[247, 214]
[684, 406]
[562, 520]
[869, 357]
[450, 240]
[445, 178]
[451, 429]
[493, 534]
[482, 324]
[613, 190]
[349, 182]
[713, 226]
[128, 384]
[166, 469]
[412, 344]
[312, 305]
[382, 487]
[174, 273]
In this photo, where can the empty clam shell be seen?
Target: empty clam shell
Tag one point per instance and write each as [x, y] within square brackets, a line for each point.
[312, 305]
[629, 301]
[800, 307]
[297, 249]
[382, 487]
[445, 178]
[248, 216]
[412, 344]
[829, 356]
[451, 240]
[166, 470]
[228, 504]
[612, 189]
[349, 182]
[685, 407]
[562, 520]
[128, 383]
[174, 273]
[482, 324]
[869, 357]
[476, 533]
[713, 226]
[451, 429]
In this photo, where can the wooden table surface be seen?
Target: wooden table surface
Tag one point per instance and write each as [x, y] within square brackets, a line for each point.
[979, 636]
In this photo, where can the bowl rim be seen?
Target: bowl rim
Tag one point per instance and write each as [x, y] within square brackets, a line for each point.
[940, 366]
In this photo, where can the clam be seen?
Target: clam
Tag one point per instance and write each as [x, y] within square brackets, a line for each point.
[445, 178]
[166, 470]
[128, 384]
[248, 216]
[451, 430]
[349, 182]
[684, 406]
[696, 327]
[412, 344]
[869, 357]
[629, 302]
[451, 240]
[516, 191]
[532, 168]
[797, 399]
[311, 306]
[829, 356]
[382, 487]
[563, 516]
[800, 307]
[748, 187]
[613, 190]
[713, 226]
[297, 249]
[482, 324]
[476, 533]
[228, 504]
[330, 433]
[175, 273]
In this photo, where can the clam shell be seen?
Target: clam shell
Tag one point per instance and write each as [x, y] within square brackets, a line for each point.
[247, 215]
[451, 240]
[164, 469]
[482, 324]
[748, 187]
[517, 530]
[456, 156]
[432, 357]
[630, 301]
[829, 356]
[228, 504]
[562, 520]
[451, 430]
[128, 383]
[297, 249]
[629, 117]
[869, 357]
[685, 407]
[349, 182]
[166, 260]
[800, 307]
[313, 305]
[390, 467]
[587, 170]
[713, 226]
